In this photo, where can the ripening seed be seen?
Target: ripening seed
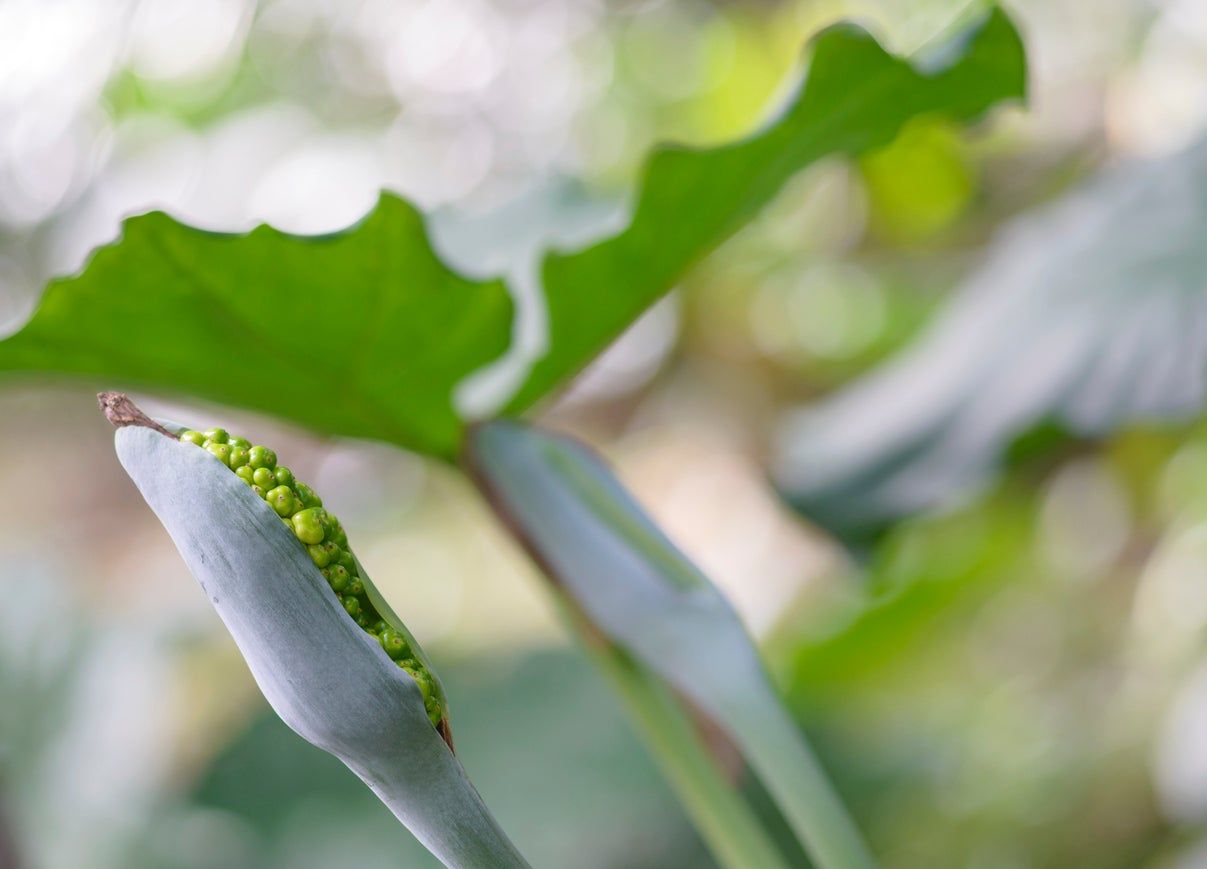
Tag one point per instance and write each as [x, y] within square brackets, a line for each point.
[307, 495]
[337, 577]
[308, 525]
[261, 457]
[281, 500]
[317, 553]
[395, 644]
[220, 451]
[326, 543]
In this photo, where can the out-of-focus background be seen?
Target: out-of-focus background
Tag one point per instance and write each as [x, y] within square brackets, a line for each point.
[991, 619]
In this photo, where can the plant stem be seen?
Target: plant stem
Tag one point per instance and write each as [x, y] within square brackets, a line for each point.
[722, 817]
[782, 759]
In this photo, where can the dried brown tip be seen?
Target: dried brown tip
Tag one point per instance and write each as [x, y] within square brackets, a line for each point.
[446, 733]
[121, 412]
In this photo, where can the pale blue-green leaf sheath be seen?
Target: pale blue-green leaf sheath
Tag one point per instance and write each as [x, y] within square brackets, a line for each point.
[327, 679]
[646, 596]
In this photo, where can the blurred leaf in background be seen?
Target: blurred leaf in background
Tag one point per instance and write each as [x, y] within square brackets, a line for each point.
[1089, 316]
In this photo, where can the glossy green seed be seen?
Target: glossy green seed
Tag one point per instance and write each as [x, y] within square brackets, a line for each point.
[261, 457]
[281, 500]
[395, 644]
[307, 495]
[326, 543]
[308, 525]
[220, 451]
[336, 531]
[421, 679]
[317, 554]
[337, 577]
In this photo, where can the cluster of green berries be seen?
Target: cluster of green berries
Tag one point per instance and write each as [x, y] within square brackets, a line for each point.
[321, 533]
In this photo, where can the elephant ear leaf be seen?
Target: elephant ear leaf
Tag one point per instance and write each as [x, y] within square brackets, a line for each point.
[1086, 316]
[412, 346]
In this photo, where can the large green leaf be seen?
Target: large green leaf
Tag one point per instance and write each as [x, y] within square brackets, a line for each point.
[855, 97]
[364, 333]
[1086, 316]
[368, 333]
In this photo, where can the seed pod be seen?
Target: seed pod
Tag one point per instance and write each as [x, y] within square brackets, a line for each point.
[328, 679]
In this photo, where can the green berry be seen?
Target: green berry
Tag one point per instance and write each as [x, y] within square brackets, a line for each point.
[326, 543]
[308, 525]
[307, 495]
[421, 679]
[336, 531]
[337, 577]
[220, 451]
[317, 554]
[281, 500]
[395, 644]
[261, 457]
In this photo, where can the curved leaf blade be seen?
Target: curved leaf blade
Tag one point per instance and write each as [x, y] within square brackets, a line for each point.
[622, 573]
[363, 333]
[1087, 315]
[322, 675]
[395, 330]
[856, 97]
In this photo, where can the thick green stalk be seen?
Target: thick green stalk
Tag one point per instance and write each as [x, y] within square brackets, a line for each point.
[778, 753]
[723, 818]
[634, 588]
